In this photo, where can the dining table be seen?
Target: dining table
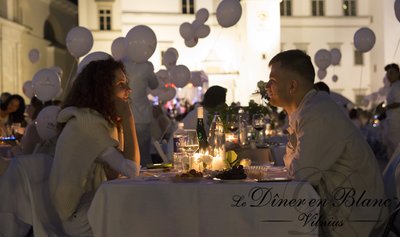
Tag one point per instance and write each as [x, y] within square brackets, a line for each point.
[164, 204]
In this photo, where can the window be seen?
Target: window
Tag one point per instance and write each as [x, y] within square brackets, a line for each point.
[105, 19]
[188, 6]
[317, 7]
[358, 58]
[349, 7]
[302, 46]
[286, 7]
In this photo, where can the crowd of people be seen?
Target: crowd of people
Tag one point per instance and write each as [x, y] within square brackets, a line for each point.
[104, 132]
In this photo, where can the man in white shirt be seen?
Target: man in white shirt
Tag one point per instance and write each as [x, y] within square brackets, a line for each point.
[391, 131]
[326, 150]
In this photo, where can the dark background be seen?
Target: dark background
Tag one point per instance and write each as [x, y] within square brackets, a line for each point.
[74, 1]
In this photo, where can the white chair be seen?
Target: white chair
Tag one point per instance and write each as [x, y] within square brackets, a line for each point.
[392, 224]
[391, 182]
[25, 198]
[159, 128]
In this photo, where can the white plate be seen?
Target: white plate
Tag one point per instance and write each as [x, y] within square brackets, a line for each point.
[235, 181]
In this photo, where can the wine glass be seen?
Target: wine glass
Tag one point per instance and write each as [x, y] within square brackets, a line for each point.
[259, 125]
[232, 123]
[190, 145]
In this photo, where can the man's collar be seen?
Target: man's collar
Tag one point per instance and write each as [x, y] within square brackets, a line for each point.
[294, 116]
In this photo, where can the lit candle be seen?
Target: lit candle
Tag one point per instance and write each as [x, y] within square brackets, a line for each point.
[197, 162]
[218, 163]
[231, 137]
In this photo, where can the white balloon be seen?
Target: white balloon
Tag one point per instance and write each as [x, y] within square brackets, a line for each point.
[28, 89]
[166, 94]
[321, 73]
[169, 59]
[98, 55]
[196, 24]
[202, 15]
[180, 75]
[59, 94]
[322, 58]
[196, 79]
[335, 78]
[46, 84]
[336, 55]
[228, 13]
[34, 55]
[203, 31]
[163, 77]
[174, 51]
[58, 70]
[118, 48]
[186, 30]
[364, 39]
[79, 41]
[191, 42]
[141, 42]
[155, 92]
[397, 9]
[46, 122]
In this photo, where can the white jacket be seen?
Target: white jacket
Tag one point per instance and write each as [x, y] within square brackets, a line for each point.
[328, 151]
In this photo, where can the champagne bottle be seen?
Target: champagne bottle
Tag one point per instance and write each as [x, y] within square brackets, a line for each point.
[201, 133]
[217, 137]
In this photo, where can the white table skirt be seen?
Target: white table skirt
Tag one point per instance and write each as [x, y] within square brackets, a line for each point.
[162, 209]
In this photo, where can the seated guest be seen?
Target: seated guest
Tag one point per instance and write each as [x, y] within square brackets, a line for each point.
[12, 111]
[96, 142]
[321, 86]
[326, 149]
[31, 137]
[344, 103]
[4, 96]
[213, 101]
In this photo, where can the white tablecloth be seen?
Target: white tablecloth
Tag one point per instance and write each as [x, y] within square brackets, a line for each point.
[162, 209]
[263, 156]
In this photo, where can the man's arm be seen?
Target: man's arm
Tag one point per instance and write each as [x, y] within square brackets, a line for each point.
[317, 149]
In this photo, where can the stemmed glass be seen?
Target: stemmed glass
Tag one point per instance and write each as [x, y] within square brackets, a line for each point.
[232, 123]
[259, 125]
[190, 146]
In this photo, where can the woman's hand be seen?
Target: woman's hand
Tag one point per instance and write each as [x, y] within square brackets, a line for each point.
[131, 146]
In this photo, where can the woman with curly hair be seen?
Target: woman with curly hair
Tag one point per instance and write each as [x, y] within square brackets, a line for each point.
[97, 139]
[12, 111]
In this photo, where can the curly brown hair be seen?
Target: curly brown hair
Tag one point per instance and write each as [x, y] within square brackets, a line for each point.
[94, 88]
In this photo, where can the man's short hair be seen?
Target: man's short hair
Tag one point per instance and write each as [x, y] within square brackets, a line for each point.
[393, 66]
[214, 96]
[296, 61]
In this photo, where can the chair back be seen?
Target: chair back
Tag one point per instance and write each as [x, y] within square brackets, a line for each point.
[26, 197]
[392, 187]
[393, 225]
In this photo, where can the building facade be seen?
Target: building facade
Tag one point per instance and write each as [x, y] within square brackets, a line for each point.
[235, 57]
[33, 24]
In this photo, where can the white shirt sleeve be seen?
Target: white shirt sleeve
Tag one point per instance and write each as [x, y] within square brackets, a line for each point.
[117, 161]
